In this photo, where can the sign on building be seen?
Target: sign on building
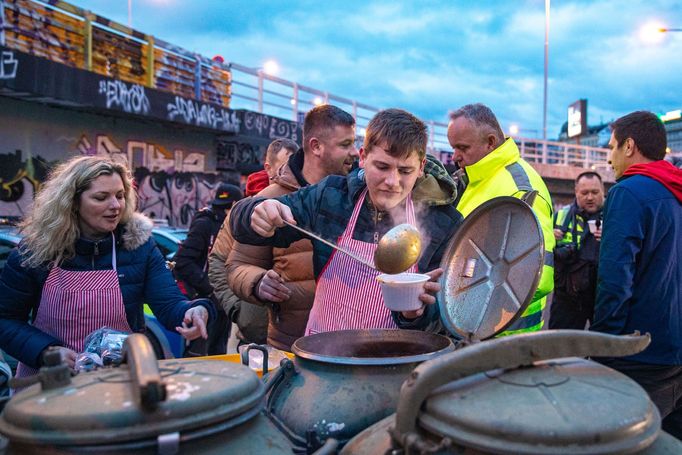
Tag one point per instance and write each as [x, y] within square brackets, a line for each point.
[577, 118]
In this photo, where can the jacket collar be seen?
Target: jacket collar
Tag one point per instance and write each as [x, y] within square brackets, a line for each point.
[295, 166]
[130, 236]
[290, 177]
[502, 156]
[436, 187]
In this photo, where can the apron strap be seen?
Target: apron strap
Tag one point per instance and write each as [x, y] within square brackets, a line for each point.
[113, 252]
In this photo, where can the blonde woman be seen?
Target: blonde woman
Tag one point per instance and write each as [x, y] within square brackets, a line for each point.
[87, 260]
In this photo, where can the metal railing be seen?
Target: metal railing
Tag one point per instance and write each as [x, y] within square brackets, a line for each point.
[76, 37]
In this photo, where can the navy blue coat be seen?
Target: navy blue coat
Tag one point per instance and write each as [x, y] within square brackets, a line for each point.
[142, 274]
[640, 268]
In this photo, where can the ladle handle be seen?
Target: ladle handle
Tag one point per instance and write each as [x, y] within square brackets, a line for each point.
[328, 243]
[507, 352]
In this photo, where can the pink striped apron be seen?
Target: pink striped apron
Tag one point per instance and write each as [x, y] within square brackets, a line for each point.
[75, 303]
[347, 295]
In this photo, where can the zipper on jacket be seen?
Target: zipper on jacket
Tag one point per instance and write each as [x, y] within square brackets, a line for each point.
[95, 253]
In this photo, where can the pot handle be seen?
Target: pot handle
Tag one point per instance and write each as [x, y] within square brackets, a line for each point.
[146, 380]
[508, 353]
[258, 347]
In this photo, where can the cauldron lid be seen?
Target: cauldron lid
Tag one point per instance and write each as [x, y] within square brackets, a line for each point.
[99, 407]
[559, 406]
[492, 268]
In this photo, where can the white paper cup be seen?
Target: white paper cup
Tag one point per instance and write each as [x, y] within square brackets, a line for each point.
[401, 292]
[593, 225]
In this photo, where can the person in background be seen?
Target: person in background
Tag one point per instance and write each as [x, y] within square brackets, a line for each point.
[577, 229]
[282, 279]
[276, 155]
[639, 285]
[251, 320]
[491, 166]
[396, 184]
[191, 260]
[87, 260]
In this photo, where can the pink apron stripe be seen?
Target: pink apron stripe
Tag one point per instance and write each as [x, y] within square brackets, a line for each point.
[347, 294]
[73, 304]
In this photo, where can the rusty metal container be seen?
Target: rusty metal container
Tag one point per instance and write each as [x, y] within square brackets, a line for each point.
[523, 395]
[175, 406]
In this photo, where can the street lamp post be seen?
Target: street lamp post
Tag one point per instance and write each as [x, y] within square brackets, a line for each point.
[544, 104]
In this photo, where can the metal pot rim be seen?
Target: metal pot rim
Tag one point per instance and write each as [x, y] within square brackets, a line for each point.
[309, 347]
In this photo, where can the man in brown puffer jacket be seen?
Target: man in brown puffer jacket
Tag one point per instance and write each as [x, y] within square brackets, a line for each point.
[251, 320]
[282, 278]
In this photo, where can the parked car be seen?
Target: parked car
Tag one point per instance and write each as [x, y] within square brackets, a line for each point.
[9, 239]
[168, 239]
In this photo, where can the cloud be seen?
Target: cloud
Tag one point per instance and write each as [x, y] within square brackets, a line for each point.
[433, 56]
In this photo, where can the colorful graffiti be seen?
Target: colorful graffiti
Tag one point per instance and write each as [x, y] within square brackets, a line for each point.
[174, 197]
[19, 181]
[131, 99]
[201, 114]
[170, 185]
[269, 127]
[237, 155]
[8, 65]
[143, 154]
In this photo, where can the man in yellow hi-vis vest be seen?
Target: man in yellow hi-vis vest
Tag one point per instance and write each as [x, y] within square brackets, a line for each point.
[493, 167]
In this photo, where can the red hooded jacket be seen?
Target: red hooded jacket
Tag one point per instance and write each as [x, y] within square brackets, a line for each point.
[256, 182]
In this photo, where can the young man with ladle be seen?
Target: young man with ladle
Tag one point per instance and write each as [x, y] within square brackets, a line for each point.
[396, 183]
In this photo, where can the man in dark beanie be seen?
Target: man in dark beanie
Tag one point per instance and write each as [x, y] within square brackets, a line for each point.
[191, 267]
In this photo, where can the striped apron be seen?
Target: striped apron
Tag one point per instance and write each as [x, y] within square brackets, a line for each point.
[75, 303]
[347, 295]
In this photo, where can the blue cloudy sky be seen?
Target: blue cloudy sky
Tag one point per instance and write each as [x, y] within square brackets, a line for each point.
[430, 57]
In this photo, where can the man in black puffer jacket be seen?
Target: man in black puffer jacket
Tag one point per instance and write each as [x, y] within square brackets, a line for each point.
[191, 266]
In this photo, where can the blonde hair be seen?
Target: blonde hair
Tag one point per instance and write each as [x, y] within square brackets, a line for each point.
[52, 228]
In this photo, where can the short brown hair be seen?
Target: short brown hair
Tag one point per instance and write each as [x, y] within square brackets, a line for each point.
[277, 145]
[402, 132]
[322, 119]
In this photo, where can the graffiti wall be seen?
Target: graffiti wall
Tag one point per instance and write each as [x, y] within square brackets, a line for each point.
[175, 168]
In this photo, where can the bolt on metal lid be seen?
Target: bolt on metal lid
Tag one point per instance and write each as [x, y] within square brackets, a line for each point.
[492, 267]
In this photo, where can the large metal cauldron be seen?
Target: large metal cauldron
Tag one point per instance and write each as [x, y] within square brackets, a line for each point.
[179, 406]
[504, 397]
[341, 382]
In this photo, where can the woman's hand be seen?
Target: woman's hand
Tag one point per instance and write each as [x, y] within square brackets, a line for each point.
[194, 323]
[68, 356]
[431, 288]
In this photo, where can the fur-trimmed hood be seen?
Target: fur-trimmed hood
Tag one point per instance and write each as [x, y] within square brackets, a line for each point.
[136, 232]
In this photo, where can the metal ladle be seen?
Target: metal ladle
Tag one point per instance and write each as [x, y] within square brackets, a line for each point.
[396, 252]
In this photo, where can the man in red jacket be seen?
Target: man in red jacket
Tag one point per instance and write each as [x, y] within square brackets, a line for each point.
[276, 154]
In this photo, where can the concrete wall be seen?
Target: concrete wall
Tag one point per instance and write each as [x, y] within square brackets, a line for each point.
[176, 167]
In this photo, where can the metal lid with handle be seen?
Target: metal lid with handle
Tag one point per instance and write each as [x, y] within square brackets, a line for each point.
[492, 268]
[547, 410]
[138, 403]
